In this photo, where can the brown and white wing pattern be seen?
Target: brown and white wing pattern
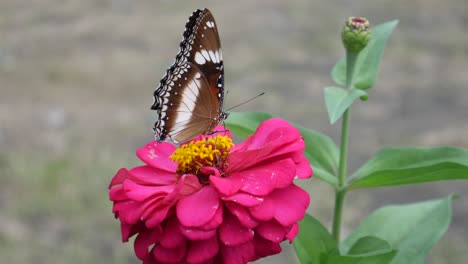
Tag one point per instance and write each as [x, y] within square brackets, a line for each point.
[189, 99]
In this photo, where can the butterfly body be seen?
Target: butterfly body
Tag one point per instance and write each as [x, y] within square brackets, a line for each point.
[189, 99]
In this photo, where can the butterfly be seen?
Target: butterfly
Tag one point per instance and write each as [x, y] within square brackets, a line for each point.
[189, 98]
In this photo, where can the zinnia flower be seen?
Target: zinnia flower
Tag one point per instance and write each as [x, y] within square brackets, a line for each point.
[212, 202]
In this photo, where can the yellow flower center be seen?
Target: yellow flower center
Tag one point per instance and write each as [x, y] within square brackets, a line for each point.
[211, 152]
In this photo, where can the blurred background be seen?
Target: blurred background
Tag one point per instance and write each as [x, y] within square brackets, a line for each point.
[76, 84]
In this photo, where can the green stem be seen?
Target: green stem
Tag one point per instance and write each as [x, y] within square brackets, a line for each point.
[351, 58]
[341, 190]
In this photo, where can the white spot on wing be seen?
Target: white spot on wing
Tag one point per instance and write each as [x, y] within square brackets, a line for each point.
[206, 55]
[199, 58]
[210, 24]
[212, 56]
[217, 57]
[187, 105]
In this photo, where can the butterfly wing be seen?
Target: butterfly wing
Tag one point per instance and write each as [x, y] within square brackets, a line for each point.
[189, 99]
[206, 53]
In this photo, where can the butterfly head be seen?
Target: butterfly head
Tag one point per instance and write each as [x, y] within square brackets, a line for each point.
[223, 116]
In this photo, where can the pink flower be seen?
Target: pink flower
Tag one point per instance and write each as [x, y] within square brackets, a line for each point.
[212, 202]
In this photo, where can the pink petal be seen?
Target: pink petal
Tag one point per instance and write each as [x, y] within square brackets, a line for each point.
[129, 211]
[144, 241]
[273, 138]
[139, 192]
[279, 206]
[239, 160]
[272, 231]
[155, 215]
[210, 171]
[244, 199]
[242, 214]
[239, 254]
[117, 194]
[215, 221]
[265, 211]
[261, 180]
[128, 230]
[157, 155]
[186, 185]
[197, 234]
[265, 247]
[303, 168]
[293, 232]
[226, 186]
[169, 255]
[202, 251]
[288, 213]
[119, 177]
[147, 175]
[276, 135]
[149, 259]
[198, 208]
[274, 131]
[232, 233]
[172, 237]
[190, 184]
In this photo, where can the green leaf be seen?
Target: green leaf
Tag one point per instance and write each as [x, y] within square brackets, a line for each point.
[367, 66]
[244, 124]
[320, 150]
[323, 155]
[366, 250]
[368, 62]
[338, 72]
[338, 100]
[369, 245]
[313, 241]
[412, 229]
[398, 166]
[378, 258]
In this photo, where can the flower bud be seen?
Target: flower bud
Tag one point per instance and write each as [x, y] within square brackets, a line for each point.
[355, 34]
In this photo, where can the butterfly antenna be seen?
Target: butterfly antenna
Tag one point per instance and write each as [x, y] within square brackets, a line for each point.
[255, 97]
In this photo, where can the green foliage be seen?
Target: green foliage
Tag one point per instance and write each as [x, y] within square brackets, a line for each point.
[369, 258]
[398, 166]
[315, 245]
[380, 256]
[338, 100]
[368, 62]
[412, 229]
[313, 242]
[322, 154]
[369, 244]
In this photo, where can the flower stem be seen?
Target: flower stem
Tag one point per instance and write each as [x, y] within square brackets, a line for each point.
[341, 190]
